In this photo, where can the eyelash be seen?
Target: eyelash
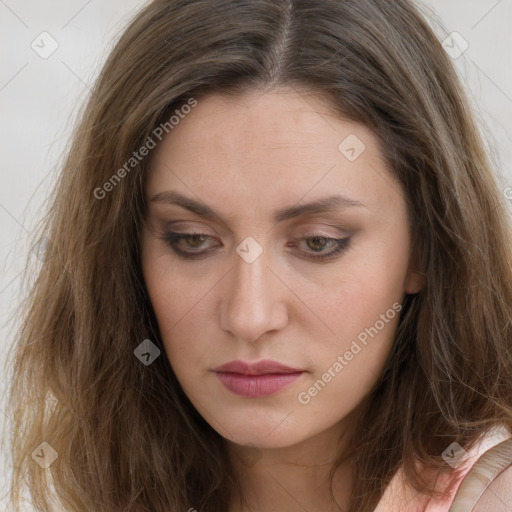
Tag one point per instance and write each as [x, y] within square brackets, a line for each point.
[173, 238]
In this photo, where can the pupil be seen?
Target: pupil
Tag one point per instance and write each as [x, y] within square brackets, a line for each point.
[196, 238]
[316, 239]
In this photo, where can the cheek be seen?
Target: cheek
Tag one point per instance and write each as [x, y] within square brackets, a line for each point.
[169, 290]
[347, 370]
[180, 303]
[362, 309]
[368, 282]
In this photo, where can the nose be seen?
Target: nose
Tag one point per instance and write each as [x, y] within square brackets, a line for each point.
[254, 302]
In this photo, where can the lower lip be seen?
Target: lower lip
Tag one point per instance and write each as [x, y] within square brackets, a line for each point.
[257, 385]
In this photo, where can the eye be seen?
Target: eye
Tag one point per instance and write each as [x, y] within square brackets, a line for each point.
[317, 243]
[189, 245]
[191, 241]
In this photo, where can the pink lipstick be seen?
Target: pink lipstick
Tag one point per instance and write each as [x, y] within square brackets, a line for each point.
[258, 379]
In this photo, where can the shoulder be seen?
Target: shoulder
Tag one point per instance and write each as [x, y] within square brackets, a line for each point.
[487, 479]
[498, 496]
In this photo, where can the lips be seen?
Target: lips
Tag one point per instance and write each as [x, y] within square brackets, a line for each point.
[263, 367]
[253, 380]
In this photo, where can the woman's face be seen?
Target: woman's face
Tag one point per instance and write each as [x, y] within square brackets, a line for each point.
[264, 278]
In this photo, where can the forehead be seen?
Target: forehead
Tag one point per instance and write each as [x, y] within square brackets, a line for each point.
[264, 149]
[265, 120]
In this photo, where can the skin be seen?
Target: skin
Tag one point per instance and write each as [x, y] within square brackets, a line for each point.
[246, 158]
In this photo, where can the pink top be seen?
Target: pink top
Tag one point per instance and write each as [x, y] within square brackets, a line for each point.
[398, 496]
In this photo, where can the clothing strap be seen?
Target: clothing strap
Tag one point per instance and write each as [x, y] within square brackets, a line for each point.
[483, 472]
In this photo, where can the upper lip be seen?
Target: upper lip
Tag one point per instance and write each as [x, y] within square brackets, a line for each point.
[257, 368]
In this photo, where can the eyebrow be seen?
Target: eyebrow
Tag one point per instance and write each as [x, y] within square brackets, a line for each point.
[328, 204]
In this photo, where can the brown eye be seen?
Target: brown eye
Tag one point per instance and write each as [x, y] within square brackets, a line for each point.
[181, 242]
[194, 240]
[318, 243]
[188, 245]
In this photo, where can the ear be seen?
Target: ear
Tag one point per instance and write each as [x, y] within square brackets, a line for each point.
[415, 279]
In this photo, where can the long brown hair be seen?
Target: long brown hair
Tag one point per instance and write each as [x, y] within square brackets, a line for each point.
[127, 437]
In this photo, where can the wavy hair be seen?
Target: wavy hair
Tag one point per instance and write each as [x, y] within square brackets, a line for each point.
[127, 437]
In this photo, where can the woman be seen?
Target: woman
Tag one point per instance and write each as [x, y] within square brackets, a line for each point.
[278, 275]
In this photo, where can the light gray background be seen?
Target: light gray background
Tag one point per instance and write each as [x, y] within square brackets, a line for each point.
[39, 99]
